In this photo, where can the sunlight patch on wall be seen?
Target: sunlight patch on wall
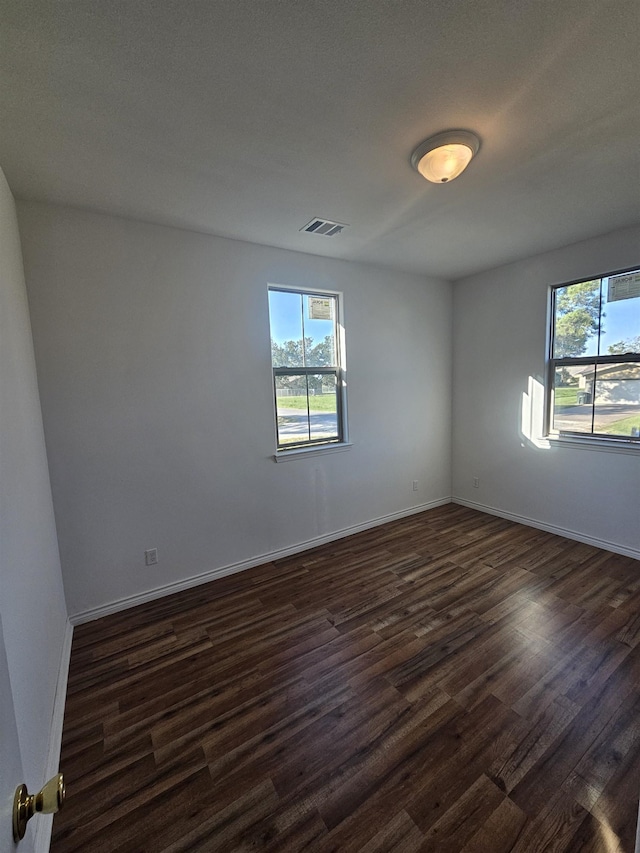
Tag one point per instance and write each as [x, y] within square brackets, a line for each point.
[532, 415]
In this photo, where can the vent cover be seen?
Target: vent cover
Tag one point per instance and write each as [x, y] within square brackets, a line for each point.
[324, 226]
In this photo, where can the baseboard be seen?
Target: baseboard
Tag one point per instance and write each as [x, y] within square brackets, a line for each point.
[44, 824]
[550, 528]
[223, 571]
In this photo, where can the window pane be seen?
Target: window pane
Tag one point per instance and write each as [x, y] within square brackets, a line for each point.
[306, 408]
[602, 399]
[617, 399]
[577, 319]
[285, 318]
[621, 315]
[572, 399]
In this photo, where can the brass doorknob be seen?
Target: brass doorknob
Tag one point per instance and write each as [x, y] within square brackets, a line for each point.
[47, 801]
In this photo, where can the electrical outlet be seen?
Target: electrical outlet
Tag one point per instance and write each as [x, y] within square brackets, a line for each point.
[476, 482]
[151, 557]
[415, 485]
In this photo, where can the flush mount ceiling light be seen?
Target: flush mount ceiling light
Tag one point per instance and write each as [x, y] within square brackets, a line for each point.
[443, 157]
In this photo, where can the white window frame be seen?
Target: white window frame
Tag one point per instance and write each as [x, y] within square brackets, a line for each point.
[318, 446]
[585, 439]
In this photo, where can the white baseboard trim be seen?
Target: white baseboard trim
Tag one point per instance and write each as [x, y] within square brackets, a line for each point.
[550, 528]
[223, 571]
[44, 824]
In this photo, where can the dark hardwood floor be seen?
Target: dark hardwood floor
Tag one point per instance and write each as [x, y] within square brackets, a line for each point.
[448, 682]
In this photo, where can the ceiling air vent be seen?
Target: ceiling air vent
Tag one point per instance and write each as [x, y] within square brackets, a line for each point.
[323, 226]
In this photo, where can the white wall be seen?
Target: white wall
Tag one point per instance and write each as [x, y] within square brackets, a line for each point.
[153, 356]
[32, 607]
[500, 327]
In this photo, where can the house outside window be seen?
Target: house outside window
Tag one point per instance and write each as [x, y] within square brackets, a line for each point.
[594, 359]
[307, 356]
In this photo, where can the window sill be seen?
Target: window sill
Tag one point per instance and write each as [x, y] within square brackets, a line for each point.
[607, 445]
[306, 452]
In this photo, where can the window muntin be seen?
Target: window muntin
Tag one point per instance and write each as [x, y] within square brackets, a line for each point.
[307, 369]
[594, 364]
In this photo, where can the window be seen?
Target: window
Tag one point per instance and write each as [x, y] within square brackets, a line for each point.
[307, 359]
[594, 361]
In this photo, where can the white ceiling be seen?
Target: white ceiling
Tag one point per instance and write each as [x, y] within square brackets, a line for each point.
[246, 118]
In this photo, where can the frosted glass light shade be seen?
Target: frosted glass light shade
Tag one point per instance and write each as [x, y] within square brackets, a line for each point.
[445, 163]
[445, 156]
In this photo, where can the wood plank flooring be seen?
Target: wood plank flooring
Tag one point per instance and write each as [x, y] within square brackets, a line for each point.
[449, 682]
